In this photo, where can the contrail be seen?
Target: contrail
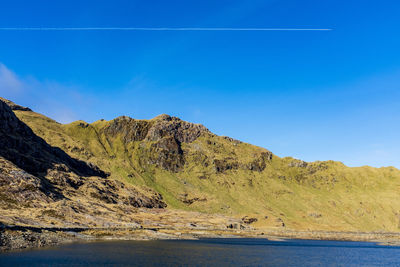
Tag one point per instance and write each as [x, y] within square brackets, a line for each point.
[153, 29]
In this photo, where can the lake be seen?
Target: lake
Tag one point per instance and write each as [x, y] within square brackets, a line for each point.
[209, 252]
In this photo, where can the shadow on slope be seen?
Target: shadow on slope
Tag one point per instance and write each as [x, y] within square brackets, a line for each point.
[19, 145]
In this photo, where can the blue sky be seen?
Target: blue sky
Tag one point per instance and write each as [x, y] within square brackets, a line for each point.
[310, 95]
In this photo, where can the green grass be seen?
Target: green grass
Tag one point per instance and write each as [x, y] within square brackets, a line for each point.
[324, 195]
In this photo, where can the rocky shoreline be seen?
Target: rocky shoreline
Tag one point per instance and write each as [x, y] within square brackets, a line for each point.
[25, 237]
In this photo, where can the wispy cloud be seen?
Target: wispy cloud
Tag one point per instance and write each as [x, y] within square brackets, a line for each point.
[9, 82]
[156, 29]
[42, 96]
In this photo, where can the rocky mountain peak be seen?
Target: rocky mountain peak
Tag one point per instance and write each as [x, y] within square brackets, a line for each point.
[164, 117]
[183, 131]
[155, 129]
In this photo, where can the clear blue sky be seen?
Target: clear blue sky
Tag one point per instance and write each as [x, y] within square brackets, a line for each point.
[311, 95]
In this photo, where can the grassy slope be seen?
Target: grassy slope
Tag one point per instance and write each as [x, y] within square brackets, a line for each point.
[321, 196]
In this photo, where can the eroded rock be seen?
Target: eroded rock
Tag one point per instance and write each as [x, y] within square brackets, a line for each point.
[249, 220]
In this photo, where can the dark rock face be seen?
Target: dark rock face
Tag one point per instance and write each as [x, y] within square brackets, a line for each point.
[260, 163]
[222, 165]
[144, 202]
[130, 129]
[230, 139]
[29, 152]
[236, 226]
[248, 220]
[166, 134]
[18, 187]
[156, 129]
[167, 154]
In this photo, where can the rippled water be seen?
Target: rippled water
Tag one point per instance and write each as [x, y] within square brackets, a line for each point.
[209, 252]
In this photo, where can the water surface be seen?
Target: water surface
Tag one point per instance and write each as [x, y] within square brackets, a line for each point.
[209, 252]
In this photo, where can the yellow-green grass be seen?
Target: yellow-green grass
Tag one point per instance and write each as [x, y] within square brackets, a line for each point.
[321, 196]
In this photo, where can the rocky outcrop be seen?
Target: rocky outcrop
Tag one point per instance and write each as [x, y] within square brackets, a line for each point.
[182, 131]
[14, 106]
[21, 239]
[161, 142]
[31, 153]
[185, 198]
[155, 129]
[222, 165]
[260, 162]
[249, 220]
[232, 140]
[165, 133]
[19, 188]
[129, 129]
[167, 154]
[298, 163]
[116, 192]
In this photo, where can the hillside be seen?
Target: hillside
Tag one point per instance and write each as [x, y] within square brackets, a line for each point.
[41, 184]
[166, 159]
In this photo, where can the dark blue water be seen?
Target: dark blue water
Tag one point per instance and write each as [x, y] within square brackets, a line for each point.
[209, 252]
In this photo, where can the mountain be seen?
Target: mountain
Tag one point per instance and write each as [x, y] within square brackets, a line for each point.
[76, 170]
[38, 179]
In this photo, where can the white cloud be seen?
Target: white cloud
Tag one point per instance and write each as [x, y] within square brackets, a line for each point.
[9, 82]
